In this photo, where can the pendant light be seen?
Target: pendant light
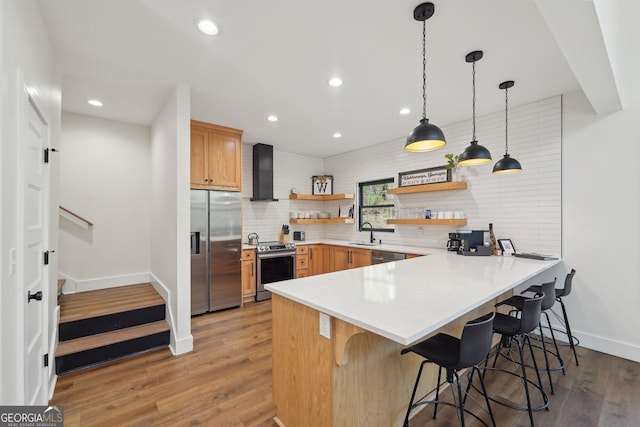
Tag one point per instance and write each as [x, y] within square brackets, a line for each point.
[474, 154]
[506, 164]
[425, 136]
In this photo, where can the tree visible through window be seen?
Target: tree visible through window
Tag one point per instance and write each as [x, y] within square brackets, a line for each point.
[376, 205]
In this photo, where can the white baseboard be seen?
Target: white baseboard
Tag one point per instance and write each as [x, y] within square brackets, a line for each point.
[177, 345]
[605, 345]
[73, 285]
[70, 284]
[609, 346]
[185, 345]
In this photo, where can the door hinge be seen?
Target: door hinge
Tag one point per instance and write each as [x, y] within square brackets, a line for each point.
[46, 153]
[46, 360]
[46, 257]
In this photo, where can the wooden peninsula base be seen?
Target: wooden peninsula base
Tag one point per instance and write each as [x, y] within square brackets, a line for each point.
[355, 377]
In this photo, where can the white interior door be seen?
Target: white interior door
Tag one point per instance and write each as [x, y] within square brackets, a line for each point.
[34, 139]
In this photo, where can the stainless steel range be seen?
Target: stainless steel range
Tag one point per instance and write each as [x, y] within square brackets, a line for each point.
[276, 262]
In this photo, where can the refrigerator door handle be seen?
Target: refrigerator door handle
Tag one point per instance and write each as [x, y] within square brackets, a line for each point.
[195, 243]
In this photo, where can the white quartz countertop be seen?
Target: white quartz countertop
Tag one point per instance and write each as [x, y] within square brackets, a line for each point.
[355, 244]
[405, 301]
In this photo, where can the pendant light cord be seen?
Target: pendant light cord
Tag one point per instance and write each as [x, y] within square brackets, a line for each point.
[424, 69]
[506, 120]
[473, 76]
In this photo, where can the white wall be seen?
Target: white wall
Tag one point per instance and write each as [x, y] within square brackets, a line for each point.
[105, 177]
[170, 220]
[25, 52]
[601, 201]
[524, 207]
[600, 225]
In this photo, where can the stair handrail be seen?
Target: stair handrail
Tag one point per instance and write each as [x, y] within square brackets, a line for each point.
[75, 215]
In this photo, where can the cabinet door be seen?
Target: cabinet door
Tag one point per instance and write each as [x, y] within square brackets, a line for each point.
[360, 258]
[248, 272]
[224, 160]
[198, 157]
[340, 257]
[319, 259]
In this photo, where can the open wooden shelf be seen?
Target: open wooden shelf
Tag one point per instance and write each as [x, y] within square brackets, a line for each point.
[440, 186]
[323, 197]
[321, 221]
[421, 221]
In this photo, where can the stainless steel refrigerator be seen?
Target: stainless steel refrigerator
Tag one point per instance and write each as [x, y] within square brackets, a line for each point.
[216, 248]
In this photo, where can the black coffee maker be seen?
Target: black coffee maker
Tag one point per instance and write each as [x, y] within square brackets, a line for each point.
[455, 242]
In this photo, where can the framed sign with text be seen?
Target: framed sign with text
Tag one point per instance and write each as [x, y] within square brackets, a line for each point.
[322, 185]
[424, 176]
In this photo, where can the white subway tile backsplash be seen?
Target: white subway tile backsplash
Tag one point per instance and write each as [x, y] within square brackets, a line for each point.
[524, 207]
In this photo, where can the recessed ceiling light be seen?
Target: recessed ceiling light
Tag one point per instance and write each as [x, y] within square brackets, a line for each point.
[207, 26]
[272, 118]
[94, 102]
[335, 82]
[405, 111]
[337, 135]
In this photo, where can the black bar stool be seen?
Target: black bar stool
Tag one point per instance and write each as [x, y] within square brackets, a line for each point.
[559, 293]
[517, 301]
[454, 354]
[514, 329]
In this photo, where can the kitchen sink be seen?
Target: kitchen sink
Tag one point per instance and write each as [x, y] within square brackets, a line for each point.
[363, 244]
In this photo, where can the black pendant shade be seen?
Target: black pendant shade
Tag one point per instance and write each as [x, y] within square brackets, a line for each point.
[425, 136]
[475, 154]
[506, 164]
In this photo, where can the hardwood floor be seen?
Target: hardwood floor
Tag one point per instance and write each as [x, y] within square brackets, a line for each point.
[226, 381]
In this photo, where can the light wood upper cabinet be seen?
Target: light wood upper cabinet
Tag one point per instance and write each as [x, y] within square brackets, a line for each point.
[216, 157]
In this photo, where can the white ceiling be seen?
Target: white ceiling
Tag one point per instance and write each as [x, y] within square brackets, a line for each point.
[275, 57]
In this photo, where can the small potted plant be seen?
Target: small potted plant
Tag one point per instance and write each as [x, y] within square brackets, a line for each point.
[452, 163]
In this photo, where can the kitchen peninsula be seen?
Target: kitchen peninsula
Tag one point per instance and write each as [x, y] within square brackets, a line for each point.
[337, 337]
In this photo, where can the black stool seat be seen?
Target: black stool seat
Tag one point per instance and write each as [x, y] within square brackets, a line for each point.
[453, 354]
[441, 349]
[506, 325]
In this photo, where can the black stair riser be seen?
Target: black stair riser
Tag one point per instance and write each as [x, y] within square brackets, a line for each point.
[84, 359]
[110, 322]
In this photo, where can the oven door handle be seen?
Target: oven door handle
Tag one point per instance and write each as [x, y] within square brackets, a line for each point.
[275, 255]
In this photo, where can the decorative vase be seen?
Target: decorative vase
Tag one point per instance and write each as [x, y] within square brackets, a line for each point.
[454, 174]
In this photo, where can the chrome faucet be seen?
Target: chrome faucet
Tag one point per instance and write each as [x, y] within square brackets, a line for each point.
[371, 239]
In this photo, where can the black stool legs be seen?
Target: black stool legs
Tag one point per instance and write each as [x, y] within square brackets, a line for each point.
[568, 327]
[458, 395]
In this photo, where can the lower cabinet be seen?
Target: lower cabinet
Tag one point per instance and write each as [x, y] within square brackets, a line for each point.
[343, 258]
[248, 274]
[319, 259]
[302, 261]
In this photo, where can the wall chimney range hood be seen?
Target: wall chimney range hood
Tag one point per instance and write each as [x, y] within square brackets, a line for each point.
[263, 173]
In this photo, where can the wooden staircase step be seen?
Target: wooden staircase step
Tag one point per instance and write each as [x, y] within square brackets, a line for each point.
[98, 349]
[101, 340]
[110, 322]
[83, 305]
